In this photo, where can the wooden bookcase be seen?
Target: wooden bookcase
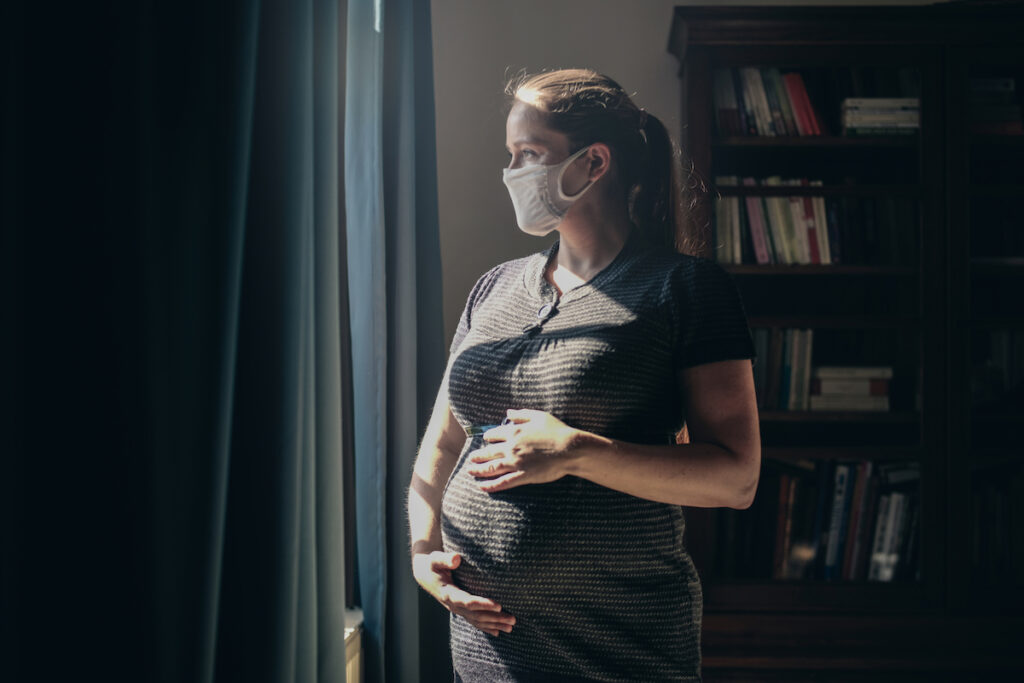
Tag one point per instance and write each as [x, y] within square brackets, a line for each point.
[941, 308]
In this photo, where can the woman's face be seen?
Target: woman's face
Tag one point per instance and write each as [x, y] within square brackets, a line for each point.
[530, 142]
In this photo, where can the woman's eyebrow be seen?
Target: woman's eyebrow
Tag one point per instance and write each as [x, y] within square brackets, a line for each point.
[529, 141]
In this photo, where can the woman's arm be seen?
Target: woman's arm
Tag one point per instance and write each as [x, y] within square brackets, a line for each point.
[720, 468]
[431, 566]
[438, 453]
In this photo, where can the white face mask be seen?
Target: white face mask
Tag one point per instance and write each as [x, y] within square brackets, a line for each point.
[537, 195]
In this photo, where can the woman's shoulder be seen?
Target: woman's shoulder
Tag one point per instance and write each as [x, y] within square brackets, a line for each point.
[505, 273]
[672, 265]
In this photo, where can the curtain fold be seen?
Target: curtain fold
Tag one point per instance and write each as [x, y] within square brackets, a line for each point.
[397, 336]
[238, 301]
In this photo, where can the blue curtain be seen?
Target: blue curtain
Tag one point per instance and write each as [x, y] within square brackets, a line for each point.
[397, 335]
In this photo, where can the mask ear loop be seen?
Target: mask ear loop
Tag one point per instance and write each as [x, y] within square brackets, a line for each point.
[558, 185]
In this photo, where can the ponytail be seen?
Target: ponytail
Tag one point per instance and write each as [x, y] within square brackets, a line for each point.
[663, 205]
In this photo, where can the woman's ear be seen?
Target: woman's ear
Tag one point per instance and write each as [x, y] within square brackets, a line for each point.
[599, 160]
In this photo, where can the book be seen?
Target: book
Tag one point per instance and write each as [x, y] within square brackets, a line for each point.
[726, 108]
[758, 232]
[882, 538]
[753, 91]
[866, 527]
[853, 371]
[852, 403]
[857, 519]
[861, 386]
[774, 107]
[837, 520]
[775, 76]
[881, 103]
[819, 537]
[804, 125]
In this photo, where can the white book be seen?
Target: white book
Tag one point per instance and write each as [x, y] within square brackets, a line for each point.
[911, 102]
[752, 79]
[865, 403]
[850, 371]
[878, 540]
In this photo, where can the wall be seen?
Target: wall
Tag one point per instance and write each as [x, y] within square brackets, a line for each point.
[477, 45]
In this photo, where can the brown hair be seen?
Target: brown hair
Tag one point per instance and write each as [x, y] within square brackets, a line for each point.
[589, 107]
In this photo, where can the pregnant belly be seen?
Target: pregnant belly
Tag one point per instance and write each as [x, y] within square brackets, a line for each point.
[565, 537]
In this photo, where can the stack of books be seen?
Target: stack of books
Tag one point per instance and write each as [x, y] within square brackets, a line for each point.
[994, 109]
[849, 520]
[789, 230]
[763, 102]
[850, 388]
[881, 115]
[782, 378]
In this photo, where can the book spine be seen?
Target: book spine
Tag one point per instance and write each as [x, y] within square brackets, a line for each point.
[878, 542]
[811, 221]
[736, 226]
[856, 517]
[778, 123]
[866, 527]
[757, 230]
[836, 521]
[785, 376]
[834, 241]
[819, 538]
[796, 216]
[784, 103]
[747, 123]
[779, 564]
[802, 124]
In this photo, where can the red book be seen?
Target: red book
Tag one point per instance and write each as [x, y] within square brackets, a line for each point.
[803, 126]
[812, 226]
[805, 104]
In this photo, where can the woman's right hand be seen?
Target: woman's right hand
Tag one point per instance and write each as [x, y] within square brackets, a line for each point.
[433, 572]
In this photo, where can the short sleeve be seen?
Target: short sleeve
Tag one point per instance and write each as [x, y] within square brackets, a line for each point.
[478, 291]
[710, 314]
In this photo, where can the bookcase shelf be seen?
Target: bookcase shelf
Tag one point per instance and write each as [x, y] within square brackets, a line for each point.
[928, 256]
[837, 322]
[905, 141]
[902, 191]
[816, 269]
[835, 416]
[845, 452]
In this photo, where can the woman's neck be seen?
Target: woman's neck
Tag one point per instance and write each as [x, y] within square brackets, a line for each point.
[589, 239]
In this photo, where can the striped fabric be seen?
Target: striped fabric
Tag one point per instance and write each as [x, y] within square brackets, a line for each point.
[599, 581]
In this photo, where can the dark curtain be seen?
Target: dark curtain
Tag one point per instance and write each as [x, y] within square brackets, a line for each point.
[174, 319]
[193, 195]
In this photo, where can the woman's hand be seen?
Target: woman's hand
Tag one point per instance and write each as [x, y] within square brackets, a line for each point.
[433, 571]
[534, 448]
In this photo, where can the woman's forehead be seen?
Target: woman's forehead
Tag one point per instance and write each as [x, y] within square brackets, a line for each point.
[525, 124]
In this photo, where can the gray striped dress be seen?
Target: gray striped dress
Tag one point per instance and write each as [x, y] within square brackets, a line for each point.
[599, 581]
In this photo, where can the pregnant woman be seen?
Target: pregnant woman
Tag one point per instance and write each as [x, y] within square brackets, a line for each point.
[545, 504]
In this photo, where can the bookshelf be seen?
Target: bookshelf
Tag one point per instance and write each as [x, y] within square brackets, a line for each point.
[864, 169]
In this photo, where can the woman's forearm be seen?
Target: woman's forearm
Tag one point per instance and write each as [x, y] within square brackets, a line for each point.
[424, 502]
[693, 474]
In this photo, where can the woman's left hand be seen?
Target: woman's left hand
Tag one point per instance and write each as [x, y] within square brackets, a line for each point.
[535, 448]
